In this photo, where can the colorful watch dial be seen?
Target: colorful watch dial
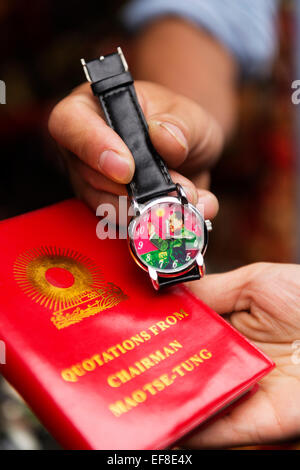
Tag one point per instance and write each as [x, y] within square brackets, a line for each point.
[168, 236]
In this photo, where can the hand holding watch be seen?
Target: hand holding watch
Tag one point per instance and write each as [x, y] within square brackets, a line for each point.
[167, 235]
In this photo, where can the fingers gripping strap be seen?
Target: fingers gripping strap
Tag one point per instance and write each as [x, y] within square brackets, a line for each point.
[123, 113]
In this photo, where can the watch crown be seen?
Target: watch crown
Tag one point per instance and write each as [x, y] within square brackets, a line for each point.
[208, 225]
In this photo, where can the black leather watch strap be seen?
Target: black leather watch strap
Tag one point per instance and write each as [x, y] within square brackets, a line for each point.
[113, 85]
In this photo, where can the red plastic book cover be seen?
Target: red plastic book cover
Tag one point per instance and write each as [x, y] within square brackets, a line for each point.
[103, 360]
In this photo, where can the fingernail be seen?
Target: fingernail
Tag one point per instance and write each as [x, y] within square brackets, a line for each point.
[115, 166]
[176, 133]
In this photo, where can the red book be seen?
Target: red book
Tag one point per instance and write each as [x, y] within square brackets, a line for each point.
[103, 360]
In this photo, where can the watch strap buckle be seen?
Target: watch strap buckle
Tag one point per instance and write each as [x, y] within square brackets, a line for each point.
[105, 66]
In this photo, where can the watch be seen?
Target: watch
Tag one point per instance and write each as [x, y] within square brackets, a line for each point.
[167, 235]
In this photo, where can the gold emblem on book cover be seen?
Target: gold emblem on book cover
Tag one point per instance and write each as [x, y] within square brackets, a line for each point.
[66, 282]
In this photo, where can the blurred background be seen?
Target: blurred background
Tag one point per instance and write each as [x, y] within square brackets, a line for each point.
[41, 43]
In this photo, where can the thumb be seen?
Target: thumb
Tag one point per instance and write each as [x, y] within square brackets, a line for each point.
[226, 293]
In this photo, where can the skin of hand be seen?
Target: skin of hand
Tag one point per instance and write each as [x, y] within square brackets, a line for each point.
[99, 162]
[262, 301]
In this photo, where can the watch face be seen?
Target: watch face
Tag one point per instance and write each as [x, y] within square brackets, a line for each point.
[168, 236]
